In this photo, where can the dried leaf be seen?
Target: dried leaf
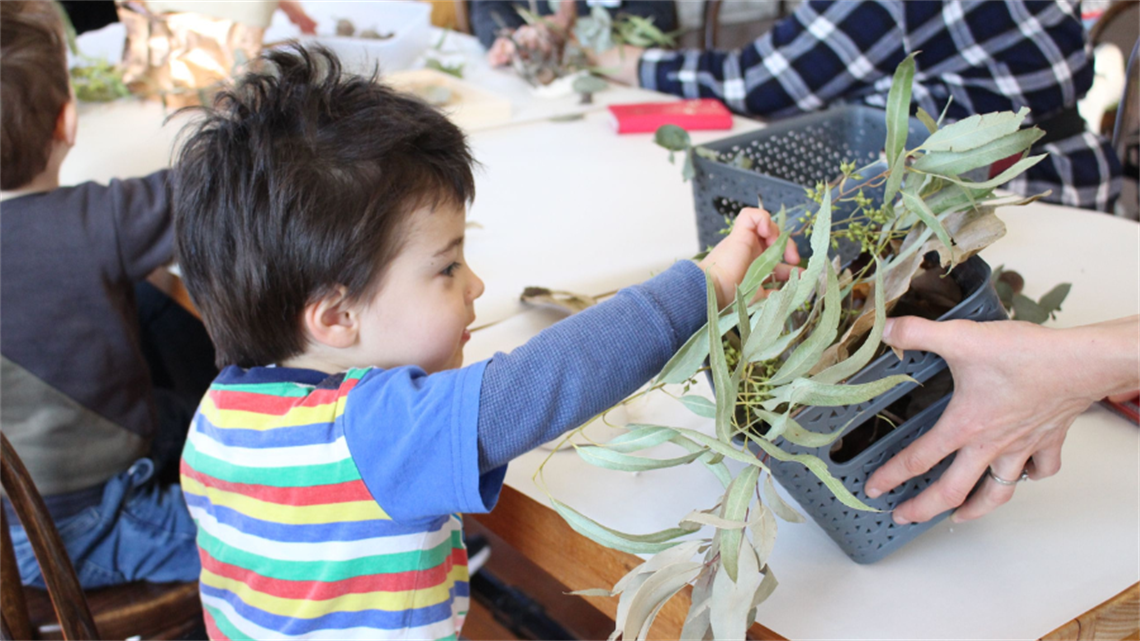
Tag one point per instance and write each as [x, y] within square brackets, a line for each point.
[697, 621]
[653, 593]
[927, 120]
[718, 364]
[807, 354]
[566, 301]
[732, 597]
[817, 467]
[607, 458]
[847, 368]
[804, 391]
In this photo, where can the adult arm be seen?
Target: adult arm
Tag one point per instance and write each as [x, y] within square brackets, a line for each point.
[1017, 389]
[822, 52]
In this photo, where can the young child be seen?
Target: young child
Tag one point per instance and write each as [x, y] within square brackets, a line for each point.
[320, 222]
[78, 401]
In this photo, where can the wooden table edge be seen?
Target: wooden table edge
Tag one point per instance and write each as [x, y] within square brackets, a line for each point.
[536, 531]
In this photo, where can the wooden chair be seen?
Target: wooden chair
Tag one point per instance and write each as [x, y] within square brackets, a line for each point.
[65, 611]
[737, 35]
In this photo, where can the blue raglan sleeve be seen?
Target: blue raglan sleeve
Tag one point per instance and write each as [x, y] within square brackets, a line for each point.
[580, 366]
[413, 437]
[822, 52]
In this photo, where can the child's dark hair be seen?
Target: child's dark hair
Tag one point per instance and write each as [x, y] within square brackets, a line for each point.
[34, 87]
[296, 182]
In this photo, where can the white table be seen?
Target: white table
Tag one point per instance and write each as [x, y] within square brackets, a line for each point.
[573, 206]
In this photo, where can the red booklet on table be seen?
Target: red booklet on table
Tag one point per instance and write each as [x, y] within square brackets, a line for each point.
[690, 115]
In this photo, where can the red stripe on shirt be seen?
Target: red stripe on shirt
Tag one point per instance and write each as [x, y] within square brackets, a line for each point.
[212, 630]
[296, 496]
[323, 590]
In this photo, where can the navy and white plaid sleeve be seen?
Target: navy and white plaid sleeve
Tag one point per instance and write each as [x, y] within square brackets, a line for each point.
[823, 52]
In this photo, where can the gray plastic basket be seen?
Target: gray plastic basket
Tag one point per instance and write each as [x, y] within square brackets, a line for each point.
[867, 537]
[786, 157]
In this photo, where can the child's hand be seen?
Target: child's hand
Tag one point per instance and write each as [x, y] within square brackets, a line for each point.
[753, 232]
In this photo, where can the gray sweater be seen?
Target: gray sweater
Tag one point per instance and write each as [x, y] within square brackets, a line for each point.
[77, 399]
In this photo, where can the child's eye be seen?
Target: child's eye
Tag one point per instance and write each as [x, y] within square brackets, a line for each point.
[450, 269]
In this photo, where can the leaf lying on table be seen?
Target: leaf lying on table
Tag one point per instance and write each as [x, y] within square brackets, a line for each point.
[566, 301]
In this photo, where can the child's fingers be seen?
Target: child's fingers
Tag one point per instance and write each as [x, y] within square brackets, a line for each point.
[758, 222]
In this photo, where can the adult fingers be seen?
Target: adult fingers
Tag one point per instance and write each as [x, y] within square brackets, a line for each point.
[918, 457]
[993, 494]
[947, 493]
[1046, 461]
[911, 332]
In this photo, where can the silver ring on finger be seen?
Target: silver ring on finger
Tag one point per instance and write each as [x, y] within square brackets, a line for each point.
[1024, 477]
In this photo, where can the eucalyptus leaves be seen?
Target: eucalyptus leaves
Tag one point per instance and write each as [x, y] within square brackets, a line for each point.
[771, 357]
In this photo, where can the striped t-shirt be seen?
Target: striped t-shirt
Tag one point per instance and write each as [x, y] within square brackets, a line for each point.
[328, 506]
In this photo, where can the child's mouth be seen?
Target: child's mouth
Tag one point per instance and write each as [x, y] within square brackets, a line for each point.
[466, 336]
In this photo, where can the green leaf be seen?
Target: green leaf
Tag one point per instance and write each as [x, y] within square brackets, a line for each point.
[718, 446]
[700, 406]
[698, 517]
[767, 587]
[1025, 309]
[777, 503]
[589, 83]
[796, 433]
[602, 535]
[764, 265]
[807, 354]
[953, 163]
[927, 120]
[697, 621]
[918, 207]
[640, 437]
[672, 138]
[804, 391]
[724, 382]
[688, 170]
[680, 553]
[764, 529]
[712, 460]
[894, 180]
[606, 458]
[816, 466]
[898, 111]
[1009, 174]
[857, 361]
[736, 502]
[1050, 303]
[691, 356]
[820, 243]
[743, 323]
[975, 131]
[776, 347]
[769, 321]
[706, 153]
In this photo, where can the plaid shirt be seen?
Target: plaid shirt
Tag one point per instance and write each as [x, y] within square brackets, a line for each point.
[989, 56]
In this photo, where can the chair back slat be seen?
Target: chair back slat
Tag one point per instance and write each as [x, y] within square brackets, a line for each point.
[62, 584]
[13, 607]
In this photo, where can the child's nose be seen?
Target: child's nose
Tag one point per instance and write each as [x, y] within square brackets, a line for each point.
[476, 287]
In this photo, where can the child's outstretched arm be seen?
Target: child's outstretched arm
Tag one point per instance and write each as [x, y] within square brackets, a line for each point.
[588, 362]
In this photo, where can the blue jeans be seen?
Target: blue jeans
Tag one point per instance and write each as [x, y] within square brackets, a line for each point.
[139, 532]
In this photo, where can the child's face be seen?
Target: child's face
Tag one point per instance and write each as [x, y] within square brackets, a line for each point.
[426, 299]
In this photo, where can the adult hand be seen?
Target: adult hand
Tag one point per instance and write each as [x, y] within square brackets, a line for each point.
[619, 63]
[1017, 389]
[752, 233]
[296, 14]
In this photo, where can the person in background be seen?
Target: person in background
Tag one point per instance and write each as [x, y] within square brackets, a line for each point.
[1017, 388]
[490, 17]
[973, 57]
[100, 371]
[345, 436]
[89, 15]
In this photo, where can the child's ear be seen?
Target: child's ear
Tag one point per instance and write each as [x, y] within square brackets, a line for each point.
[332, 320]
[67, 123]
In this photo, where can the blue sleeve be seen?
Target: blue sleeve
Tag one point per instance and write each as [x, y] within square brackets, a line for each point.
[413, 438]
[582, 365]
[824, 51]
[489, 16]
